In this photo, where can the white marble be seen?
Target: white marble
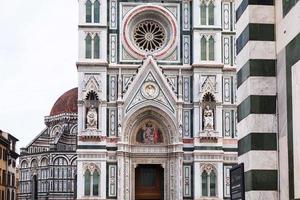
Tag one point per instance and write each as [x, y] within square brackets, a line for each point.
[296, 126]
[256, 14]
[256, 50]
[256, 85]
[283, 171]
[264, 160]
[262, 195]
[257, 123]
[286, 28]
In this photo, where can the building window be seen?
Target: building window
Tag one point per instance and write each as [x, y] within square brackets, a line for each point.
[208, 181]
[211, 48]
[204, 184]
[96, 11]
[203, 48]
[87, 183]
[91, 183]
[95, 183]
[96, 46]
[92, 11]
[92, 46]
[203, 13]
[8, 194]
[207, 48]
[35, 187]
[61, 178]
[212, 187]
[207, 13]
[211, 14]
[88, 11]
[88, 46]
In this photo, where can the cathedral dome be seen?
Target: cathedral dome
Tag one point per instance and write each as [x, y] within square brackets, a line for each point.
[66, 103]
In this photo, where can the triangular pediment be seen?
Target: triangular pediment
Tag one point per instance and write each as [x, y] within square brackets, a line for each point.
[150, 86]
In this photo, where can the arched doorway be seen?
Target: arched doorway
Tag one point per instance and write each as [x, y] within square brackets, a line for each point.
[149, 156]
[149, 182]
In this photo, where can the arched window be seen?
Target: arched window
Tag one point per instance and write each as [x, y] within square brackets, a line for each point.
[43, 176]
[207, 13]
[212, 187]
[61, 178]
[207, 48]
[203, 48]
[96, 183]
[211, 48]
[204, 184]
[8, 195]
[88, 11]
[96, 11]
[24, 164]
[209, 180]
[35, 187]
[87, 183]
[34, 163]
[211, 13]
[96, 46]
[203, 13]
[91, 182]
[88, 46]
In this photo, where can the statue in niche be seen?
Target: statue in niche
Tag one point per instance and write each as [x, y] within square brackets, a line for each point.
[208, 116]
[91, 118]
[149, 134]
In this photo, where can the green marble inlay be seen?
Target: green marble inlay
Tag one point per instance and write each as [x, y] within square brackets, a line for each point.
[256, 67]
[243, 6]
[287, 5]
[260, 179]
[256, 105]
[255, 32]
[292, 56]
[257, 141]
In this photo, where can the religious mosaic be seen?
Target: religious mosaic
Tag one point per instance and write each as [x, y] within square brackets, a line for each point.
[149, 133]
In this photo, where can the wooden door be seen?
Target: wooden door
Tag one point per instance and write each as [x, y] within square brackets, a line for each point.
[149, 182]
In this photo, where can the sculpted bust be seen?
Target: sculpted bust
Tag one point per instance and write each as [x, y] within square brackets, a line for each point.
[91, 118]
[208, 118]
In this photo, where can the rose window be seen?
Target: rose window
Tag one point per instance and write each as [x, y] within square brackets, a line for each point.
[149, 36]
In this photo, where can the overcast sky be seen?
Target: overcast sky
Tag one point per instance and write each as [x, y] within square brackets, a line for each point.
[38, 52]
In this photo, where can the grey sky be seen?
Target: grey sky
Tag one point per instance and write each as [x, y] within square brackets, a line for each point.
[38, 51]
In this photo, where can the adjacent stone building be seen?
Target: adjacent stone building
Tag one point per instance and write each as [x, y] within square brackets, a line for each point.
[8, 157]
[268, 46]
[48, 162]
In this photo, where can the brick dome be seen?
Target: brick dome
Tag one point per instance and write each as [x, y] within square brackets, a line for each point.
[66, 103]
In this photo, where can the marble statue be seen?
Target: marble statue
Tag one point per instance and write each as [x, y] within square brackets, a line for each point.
[208, 118]
[91, 118]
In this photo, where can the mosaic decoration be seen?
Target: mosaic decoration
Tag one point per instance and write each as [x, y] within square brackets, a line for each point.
[149, 133]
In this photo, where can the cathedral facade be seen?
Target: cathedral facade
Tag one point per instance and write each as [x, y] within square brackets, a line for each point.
[154, 114]
[156, 99]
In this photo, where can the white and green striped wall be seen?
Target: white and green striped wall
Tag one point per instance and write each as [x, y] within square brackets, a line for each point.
[256, 96]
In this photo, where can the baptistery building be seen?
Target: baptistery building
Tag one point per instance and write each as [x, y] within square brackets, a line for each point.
[156, 99]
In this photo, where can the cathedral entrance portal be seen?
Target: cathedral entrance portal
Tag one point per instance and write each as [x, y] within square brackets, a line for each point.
[149, 182]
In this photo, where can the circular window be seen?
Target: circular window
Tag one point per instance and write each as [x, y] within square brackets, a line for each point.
[149, 36]
[149, 30]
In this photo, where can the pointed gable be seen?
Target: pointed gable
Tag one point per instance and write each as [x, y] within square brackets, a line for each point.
[150, 85]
